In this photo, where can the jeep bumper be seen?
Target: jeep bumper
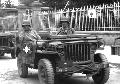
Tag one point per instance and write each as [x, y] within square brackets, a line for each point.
[81, 68]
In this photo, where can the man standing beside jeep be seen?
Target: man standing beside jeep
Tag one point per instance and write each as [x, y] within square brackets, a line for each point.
[27, 35]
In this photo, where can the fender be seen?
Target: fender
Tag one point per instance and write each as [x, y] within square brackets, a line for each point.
[46, 52]
[101, 58]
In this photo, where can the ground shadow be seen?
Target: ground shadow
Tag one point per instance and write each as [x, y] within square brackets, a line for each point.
[61, 80]
[5, 57]
[74, 80]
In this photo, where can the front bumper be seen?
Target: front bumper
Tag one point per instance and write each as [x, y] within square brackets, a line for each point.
[79, 68]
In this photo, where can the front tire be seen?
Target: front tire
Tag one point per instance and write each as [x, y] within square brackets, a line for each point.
[22, 68]
[103, 75]
[45, 72]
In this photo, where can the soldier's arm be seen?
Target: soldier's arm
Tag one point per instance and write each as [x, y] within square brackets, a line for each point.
[37, 35]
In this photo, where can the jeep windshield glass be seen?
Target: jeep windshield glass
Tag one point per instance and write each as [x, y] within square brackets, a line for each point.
[8, 23]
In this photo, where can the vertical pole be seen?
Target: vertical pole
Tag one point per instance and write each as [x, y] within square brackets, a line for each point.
[118, 13]
[94, 19]
[89, 23]
[86, 25]
[80, 18]
[76, 20]
[67, 13]
[49, 24]
[61, 13]
[45, 27]
[15, 23]
[57, 18]
[107, 22]
[109, 19]
[55, 15]
[100, 17]
[72, 17]
[103, 18]
[97, 8]
[114, 11]
[20, 21]
[83, 18]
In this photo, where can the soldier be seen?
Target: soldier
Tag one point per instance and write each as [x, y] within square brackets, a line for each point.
[65, 27]
[26, 36]
[28, 33]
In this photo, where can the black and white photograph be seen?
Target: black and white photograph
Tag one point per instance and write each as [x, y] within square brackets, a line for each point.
[59, 41]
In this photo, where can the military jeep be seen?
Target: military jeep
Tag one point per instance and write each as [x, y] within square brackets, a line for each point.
[65, 55]
[7, 44]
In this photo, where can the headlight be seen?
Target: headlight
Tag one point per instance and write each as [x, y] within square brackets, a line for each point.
[93, 46]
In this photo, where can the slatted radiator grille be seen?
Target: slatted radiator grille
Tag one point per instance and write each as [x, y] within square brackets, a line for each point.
[77, 52]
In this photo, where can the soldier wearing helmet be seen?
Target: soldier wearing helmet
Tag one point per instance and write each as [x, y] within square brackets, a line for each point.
[28, 33]
[65, 27]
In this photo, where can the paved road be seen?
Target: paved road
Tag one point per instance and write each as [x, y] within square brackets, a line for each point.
[9, 74]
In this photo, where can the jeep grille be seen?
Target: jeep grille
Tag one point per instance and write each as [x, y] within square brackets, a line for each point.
[77, 52]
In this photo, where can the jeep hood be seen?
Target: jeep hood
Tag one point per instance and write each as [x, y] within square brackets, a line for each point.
[75, 37]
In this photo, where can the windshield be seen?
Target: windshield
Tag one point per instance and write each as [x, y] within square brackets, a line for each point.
[8, 23]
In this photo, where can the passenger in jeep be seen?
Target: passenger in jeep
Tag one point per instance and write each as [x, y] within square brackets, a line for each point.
[28, 33]
[65, 27]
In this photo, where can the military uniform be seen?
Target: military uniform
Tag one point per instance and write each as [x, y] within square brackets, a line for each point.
[26, 37]
[65, 29]
[31, 35]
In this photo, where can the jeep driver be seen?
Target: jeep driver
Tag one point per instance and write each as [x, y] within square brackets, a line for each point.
[65, 29]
